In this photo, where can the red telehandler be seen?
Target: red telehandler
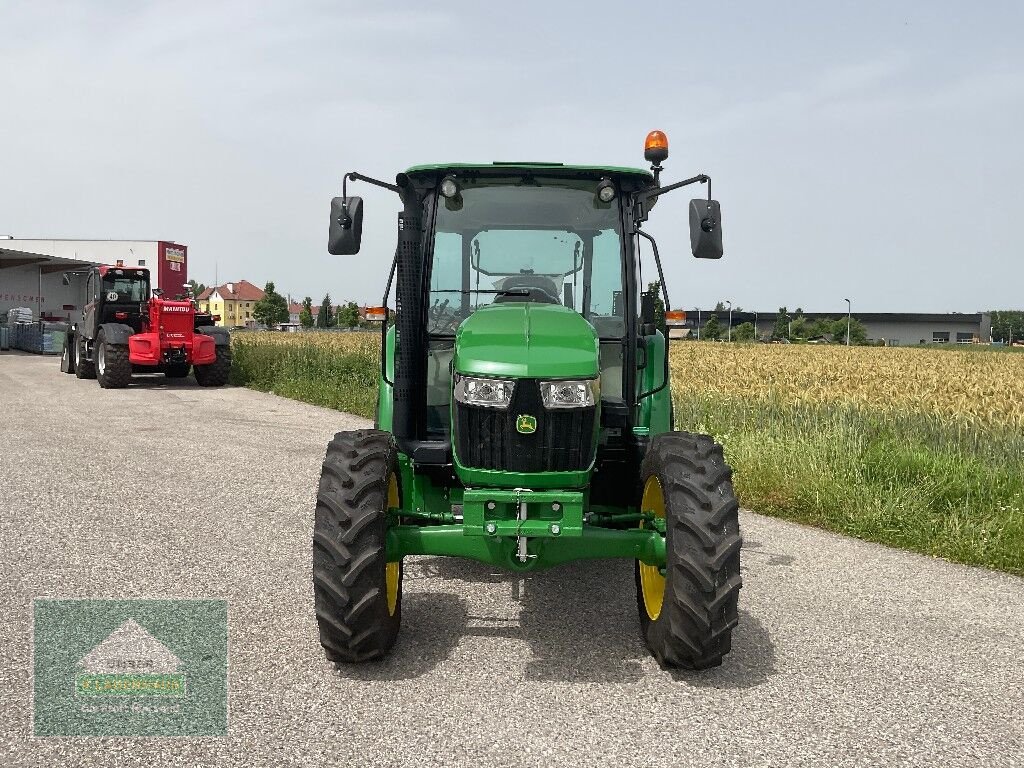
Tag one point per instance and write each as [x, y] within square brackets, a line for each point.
[124, 331]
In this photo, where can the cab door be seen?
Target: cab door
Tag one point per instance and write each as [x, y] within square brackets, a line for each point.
[91, 305]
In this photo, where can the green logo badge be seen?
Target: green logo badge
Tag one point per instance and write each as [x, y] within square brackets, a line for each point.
[130, 667]
[525, 424]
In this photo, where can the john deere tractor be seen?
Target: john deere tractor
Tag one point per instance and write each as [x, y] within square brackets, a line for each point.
[525, 409]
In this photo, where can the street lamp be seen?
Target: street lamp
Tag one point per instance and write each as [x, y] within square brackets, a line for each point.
[729, 337]
[698, 325]
[755, 325]
[849, 310]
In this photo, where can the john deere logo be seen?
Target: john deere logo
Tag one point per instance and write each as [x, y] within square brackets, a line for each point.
[526, 425]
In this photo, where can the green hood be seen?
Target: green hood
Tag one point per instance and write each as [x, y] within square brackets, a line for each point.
[518, 339]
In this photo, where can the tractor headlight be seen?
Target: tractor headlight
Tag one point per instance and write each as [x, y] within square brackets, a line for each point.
[489, 393]
[570, 394]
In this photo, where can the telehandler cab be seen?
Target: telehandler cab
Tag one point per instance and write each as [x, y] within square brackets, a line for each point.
[525, 409]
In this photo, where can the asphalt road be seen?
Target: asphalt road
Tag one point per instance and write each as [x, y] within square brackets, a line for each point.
[847, 653]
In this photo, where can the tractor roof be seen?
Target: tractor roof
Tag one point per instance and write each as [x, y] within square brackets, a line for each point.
[553, 169]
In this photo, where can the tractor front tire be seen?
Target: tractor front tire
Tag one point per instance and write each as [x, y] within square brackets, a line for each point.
[113, 369]
[357, 592]
[687, 613]
[176, 371]
[215, 374]
[67, 354]
[84, 369]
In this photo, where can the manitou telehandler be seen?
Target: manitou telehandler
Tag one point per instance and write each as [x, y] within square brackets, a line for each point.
[123, 331]
[525, 409]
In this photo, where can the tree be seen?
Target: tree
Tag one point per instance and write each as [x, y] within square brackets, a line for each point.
[306, 314]
[659, 305]
[1007, 326]
[781, 328]
[326, 317]
[712, 329]
[348, 315]
[743, 332]
[272, 309]
[196, 288]
[799, 326]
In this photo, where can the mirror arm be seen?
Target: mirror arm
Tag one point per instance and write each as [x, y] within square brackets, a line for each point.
[657, 262]
[355, 176]
[385, 324]
[640, 198]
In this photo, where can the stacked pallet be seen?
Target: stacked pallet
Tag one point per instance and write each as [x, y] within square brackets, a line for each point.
[41, 337]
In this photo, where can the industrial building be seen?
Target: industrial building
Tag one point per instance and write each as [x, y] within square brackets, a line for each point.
[32, 270]
[889, 328]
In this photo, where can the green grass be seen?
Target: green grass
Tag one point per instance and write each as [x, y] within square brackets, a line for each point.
[345, 380]
[911, 480]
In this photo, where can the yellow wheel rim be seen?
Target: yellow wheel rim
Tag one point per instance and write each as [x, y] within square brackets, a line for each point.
[392, 570]
[652, 583]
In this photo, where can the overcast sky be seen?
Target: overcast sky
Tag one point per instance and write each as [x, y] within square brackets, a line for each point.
[864, 150]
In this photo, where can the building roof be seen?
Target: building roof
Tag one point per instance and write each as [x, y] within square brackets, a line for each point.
[866, 317]
[241, 290]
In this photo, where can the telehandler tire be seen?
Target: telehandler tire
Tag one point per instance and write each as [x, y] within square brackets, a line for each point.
[113, 369]
[688, 613]
[215, 374]
[84, 369]
[357, 592]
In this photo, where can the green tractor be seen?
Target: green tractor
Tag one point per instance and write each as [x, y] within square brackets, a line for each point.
[525, 411]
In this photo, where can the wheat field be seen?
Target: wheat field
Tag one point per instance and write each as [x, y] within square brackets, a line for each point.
[973, 386]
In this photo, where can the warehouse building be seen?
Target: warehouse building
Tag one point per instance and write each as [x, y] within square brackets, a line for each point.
[32, 270]
[889, 328]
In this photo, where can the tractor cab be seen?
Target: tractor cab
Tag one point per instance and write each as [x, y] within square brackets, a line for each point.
[525, 413]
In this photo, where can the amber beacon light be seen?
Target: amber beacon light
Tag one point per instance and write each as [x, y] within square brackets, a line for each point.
[656, 147]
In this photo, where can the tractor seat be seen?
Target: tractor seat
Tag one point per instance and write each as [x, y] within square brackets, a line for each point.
[540, 289]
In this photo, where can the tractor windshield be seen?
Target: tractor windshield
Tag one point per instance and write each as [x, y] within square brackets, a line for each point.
[125, 288]
[527, 239]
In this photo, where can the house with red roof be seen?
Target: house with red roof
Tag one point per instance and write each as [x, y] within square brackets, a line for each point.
[233, 302]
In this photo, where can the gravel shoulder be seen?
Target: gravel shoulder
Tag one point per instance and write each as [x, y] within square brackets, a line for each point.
[847, 653]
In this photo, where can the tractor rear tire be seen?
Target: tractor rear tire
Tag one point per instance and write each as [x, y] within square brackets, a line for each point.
[176, 371]
[113, 369]
[217, 373]
[687, 614]
[84, 369]
[67, 354]
[357, 592]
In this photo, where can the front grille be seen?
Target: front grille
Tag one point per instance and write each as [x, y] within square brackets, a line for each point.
[487, 438]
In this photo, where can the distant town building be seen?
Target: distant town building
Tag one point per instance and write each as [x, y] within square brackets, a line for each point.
[233, 302]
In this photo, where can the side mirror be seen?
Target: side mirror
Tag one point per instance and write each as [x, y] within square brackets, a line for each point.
[346, 230]
[66, 279]
[706, 229]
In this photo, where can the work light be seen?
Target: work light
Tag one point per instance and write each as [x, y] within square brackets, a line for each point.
[605, 190]
[449, 187]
